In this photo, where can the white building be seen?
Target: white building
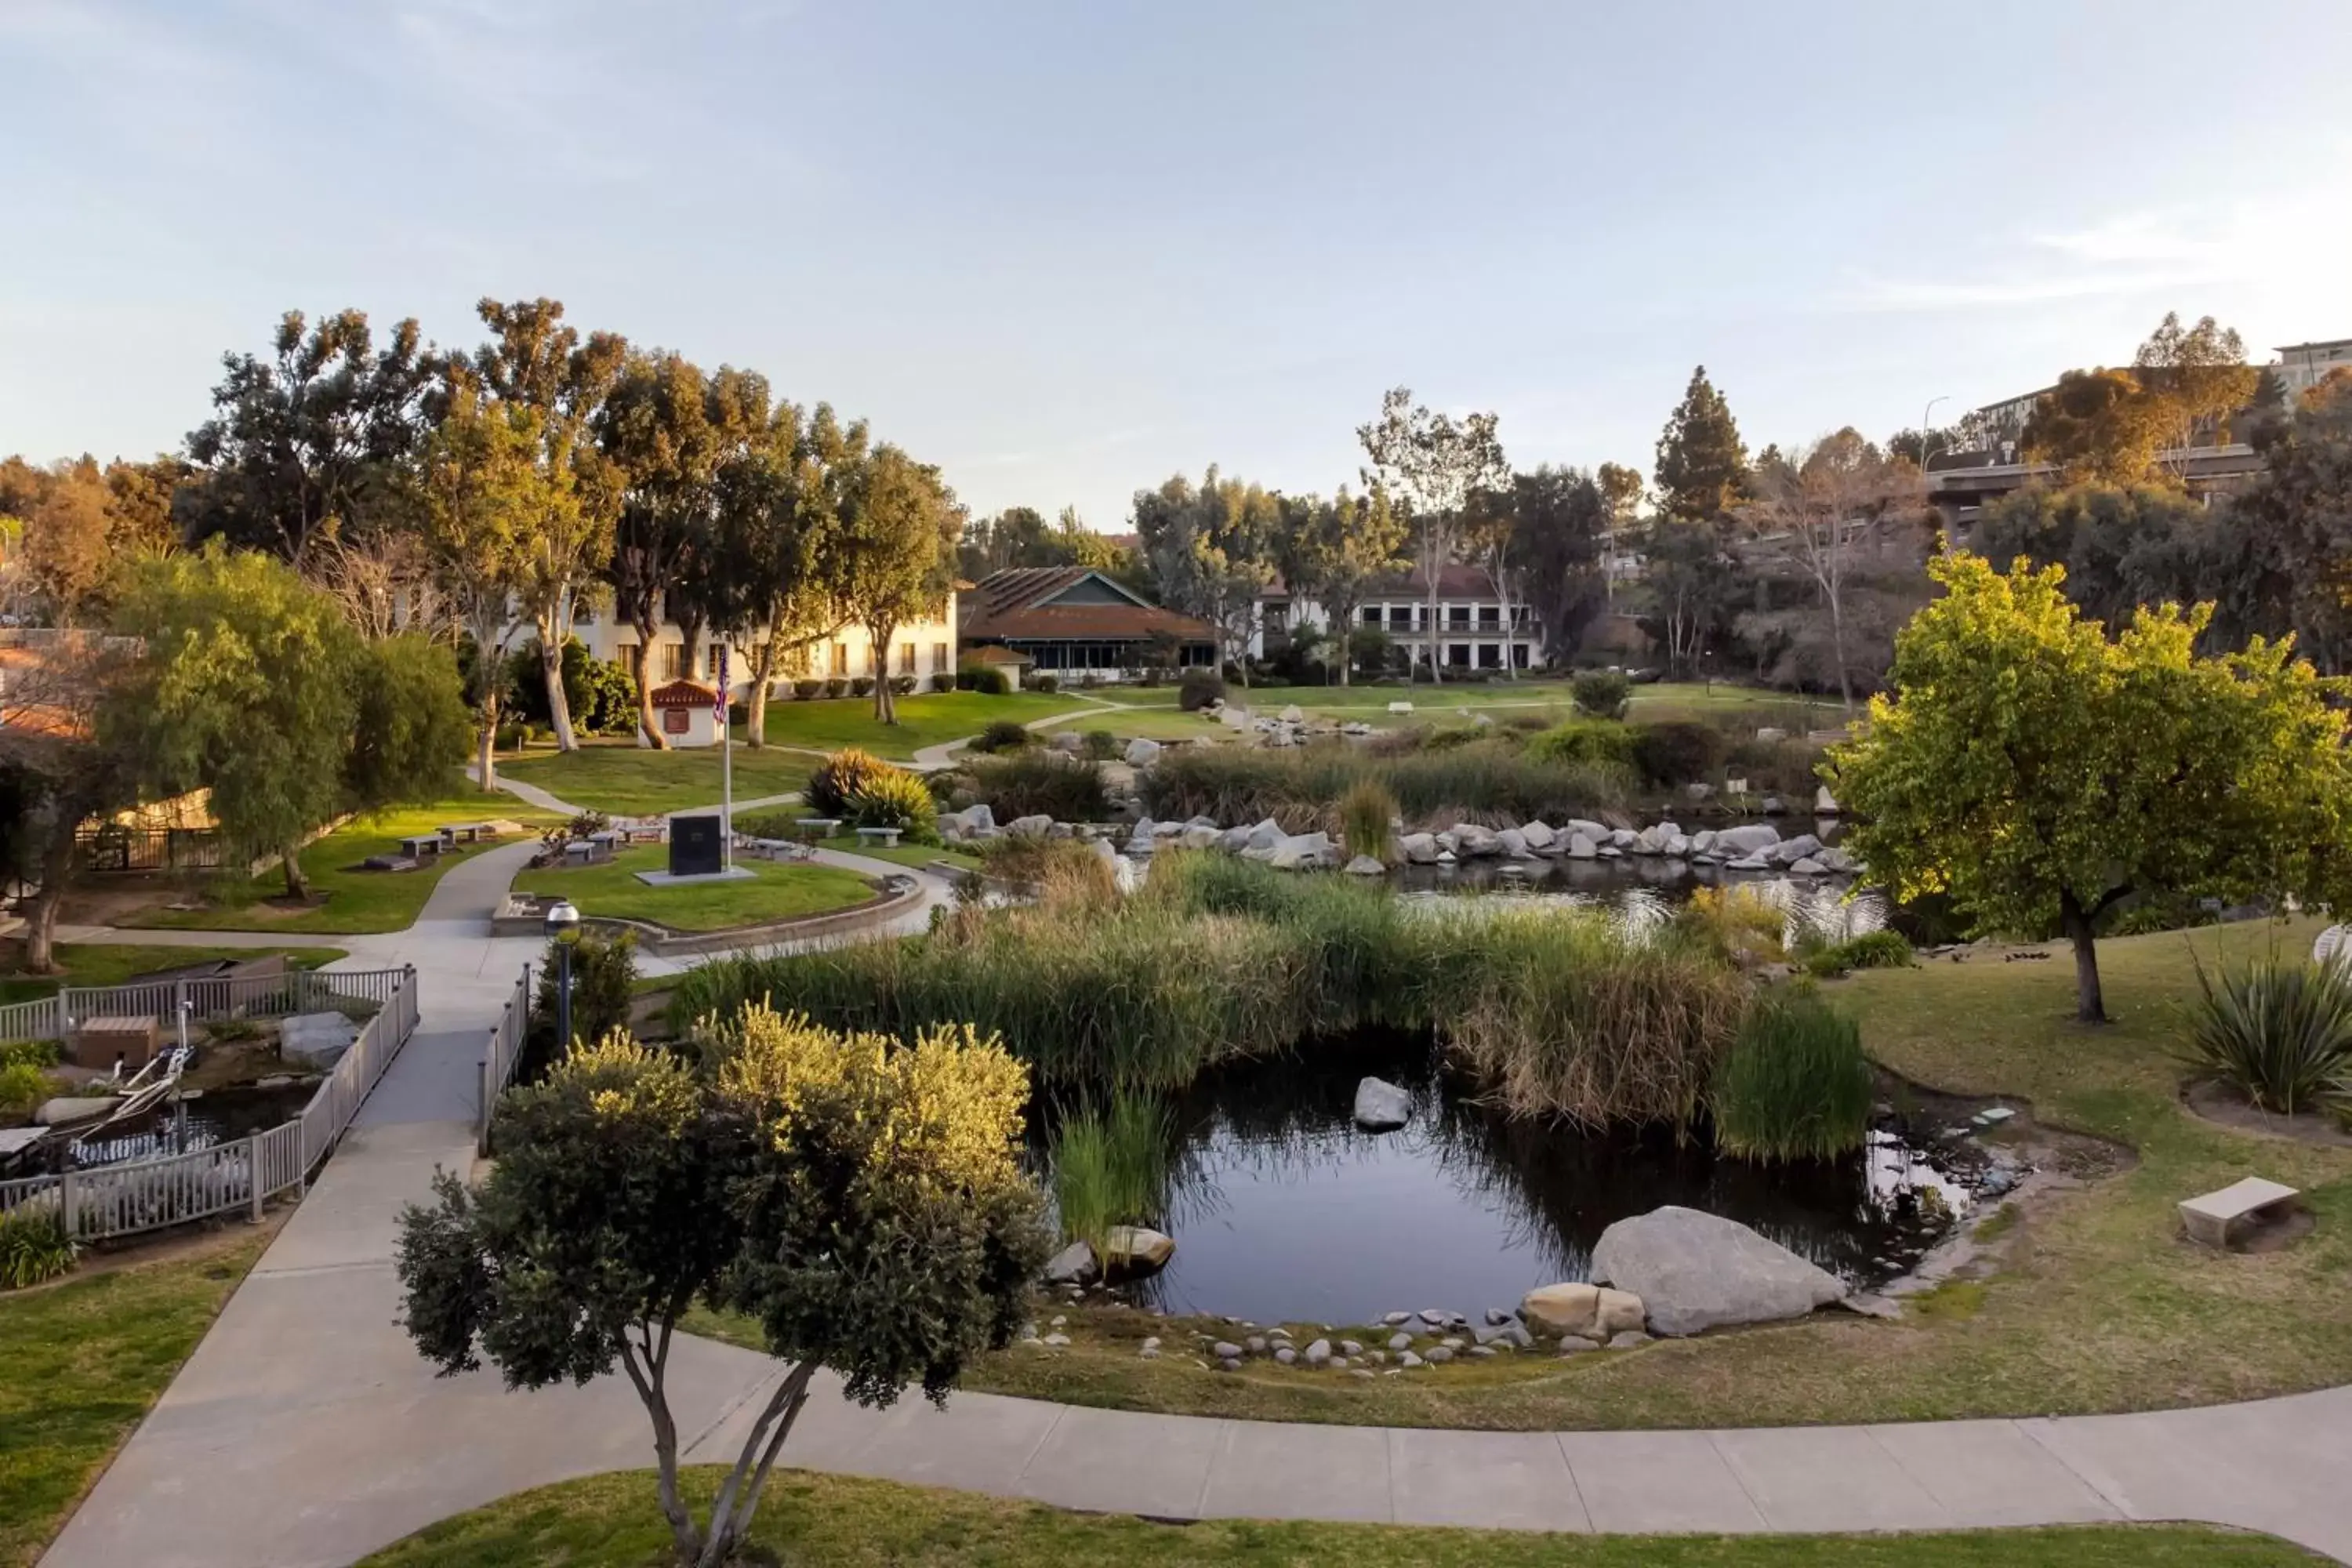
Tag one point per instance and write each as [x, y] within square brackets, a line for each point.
[921, 651]
[1472, 631]
[2303, 366]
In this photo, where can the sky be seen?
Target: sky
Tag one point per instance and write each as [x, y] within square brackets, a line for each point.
[1065, 250]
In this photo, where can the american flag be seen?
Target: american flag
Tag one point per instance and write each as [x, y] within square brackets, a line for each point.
[718, 704]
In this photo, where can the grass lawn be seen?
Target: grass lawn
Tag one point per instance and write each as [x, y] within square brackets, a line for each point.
[624, 780]
[916, 855]
[356, 900]
[777, 891]
[111, 963]
[614, 1522]
[81, 1364]
[2100, 1305]
[924, 720]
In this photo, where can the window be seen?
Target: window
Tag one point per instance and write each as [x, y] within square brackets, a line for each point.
[1400, 617]
[1278, 618]
[1519, 618]
[1372, 614]
[1490, 616]
[938, 659]
[906, 658]
[1458, 653]
[840, 660]
[1457, 617]
[1490, 656]
[584, 614]
[673, 660]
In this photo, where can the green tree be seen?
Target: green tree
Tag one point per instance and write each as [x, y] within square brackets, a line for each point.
[1562, 516]
[2037, 772]
[779, 581]
[410, 729]
[1333, 551]
[58, 770]
[246, 688]
[1621, 490]
[2199, 376]
[1688, 588]
[2299, 512]
[311, 443]
[1211, 551]
[1702, 463]
[2099, 425]
[1436, 467]
[896, 534]
[861, 1200]
[1016, 536]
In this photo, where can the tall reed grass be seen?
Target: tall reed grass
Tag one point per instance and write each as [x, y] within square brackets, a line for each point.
[1367, 814]
[1795, 1084]
[1493, 779]
[1110, 1168]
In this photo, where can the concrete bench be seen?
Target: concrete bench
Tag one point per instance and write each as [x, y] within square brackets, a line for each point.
[885, 837]
[2208, 1218]
[824, 826]
[585, 852]
[464, 832]
[417, 846]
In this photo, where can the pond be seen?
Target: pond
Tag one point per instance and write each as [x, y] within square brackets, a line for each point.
[201, 1122]
[1283, 1210]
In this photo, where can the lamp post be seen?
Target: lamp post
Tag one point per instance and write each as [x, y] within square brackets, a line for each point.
[563, 927]
[1927, 425]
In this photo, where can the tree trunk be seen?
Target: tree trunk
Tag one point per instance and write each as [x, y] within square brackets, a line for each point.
[56, 875]
[551, 638]
[755, 701]
[1429, 564]
[1347, 652]
[298, 886]
[650, 1390]
[1837, 647]
[2090, 1004]
[640, 667]
[877, 639]
[731, 1512]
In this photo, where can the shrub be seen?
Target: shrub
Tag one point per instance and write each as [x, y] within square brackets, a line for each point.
[902, 685]
[603, 989]
[1736, 921]
[861, 686]
[827, 792]
[1099, 744]
[2278, 1032]
[1035, 781]
[770, 821]
[1777, 767]
[1198, 689]
[1676, 752]
[1048, 684]
[39, 1053]
[34, 1246]
[1794, 1085]
[23, 1087]
[1590, 741]
[807, 688]
[1871, 950]
[895, 798]
[1600, 693]
[985, 678]
[835, 687]
[1367, 820]
[1002, 735]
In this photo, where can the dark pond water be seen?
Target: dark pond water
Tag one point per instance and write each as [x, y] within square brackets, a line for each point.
[217, 1116]
[1283, 1210]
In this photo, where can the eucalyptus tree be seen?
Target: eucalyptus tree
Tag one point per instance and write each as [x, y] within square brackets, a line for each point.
[1561, 516]
[1212, 550]
[1335, 551]
[1435, 466]
[896, 532]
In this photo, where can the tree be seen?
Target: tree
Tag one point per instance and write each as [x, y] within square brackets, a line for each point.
[310, 442]
[1434, 466]
[68, 548]
[245, 689]
[483, 494]
[1562, 516]
[58, 770]
[1334, 552]
[860, 1200]
[1702, 463]
[1211, 549]
[410, 727]
[537, 362]
[2098, 425]
[141, 498]
[2299, 512]
[1826, 511]
[896, 536]
[1621, 491]
[2199, 375]
[2038, 772]
[1687, 583]
[1014, 537]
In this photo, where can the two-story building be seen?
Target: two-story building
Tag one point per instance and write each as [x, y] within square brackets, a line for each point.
[922, 651]
[1472, 629]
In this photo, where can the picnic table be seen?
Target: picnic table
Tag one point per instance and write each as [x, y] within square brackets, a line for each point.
[464, 832]
[418, 845]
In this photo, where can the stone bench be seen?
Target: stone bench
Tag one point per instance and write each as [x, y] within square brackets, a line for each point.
[419, 846]
[823, 826]
[887, 837]
[2208, 1219]
[464, 832]
[775, 849]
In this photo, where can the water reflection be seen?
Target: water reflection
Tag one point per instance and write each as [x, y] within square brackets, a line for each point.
[1282, 1209]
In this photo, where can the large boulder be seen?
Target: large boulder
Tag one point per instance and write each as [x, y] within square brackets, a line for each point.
[1306, 852]
[1266, 834]
[1291, 715]
[1380, 1106]
[1789, 852]
[1470, 839]
[1745, 839]
[1365, 866]
[1580, 848]
[1539, 836]
[1073, 1265]
[316, 1040]
[1139, 838]
[1824, 803]
[1596, 831]
[1133, 1249]
[1513, 842]
[1594, 1311]
[1418, 848]
[1200, 838]
[1142, 753]
[1034, 827]
[1696, 1271]
[1068, 741]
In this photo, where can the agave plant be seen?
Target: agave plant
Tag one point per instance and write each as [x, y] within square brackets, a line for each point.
[34, 1246]
[2278, 1032]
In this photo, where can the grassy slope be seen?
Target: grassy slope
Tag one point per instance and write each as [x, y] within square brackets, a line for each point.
[779, 891]
[111, 963]
[926, 719]
[356, 900]
[2102, 1307]
[625, 781]
[614, 1522]
[80, 1362]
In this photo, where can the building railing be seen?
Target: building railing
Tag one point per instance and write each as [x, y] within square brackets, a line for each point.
[175, 1189]
[501, 1055]
[242, 996]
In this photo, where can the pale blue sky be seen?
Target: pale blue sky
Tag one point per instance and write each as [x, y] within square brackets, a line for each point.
[1065, 249]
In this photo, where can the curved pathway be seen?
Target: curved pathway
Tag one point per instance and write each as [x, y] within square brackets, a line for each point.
[305, 1430]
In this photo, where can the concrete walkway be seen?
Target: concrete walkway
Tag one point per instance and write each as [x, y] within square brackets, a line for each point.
[931, 759]
[305, 1431]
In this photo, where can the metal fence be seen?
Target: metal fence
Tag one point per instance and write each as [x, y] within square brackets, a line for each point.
[112, 847]
[246, 997]
[501, 1055]
[149, 1195]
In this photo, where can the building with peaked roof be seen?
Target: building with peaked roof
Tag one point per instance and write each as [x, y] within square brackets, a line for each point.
[1472, 629]
[1075, 621]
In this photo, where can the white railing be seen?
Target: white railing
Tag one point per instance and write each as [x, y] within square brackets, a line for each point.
[149, 1195]
[500, 1055]
[246, 996]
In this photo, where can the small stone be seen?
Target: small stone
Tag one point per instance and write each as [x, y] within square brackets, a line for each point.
[1028, 1330]
[1148, 1354]
[1482, 1350]
[1350, 1347]
[1061, 1323]
[1435, 1319]
[1451, 1341]
[1058, 1340]
[1318, 1352]
[1278, 1333]
[1576, 1345]
[1628, 1340]
[1256, 1343]
[1496, 1317]
[1393, 1319]
[1400, 1341]
[1151, 1341]
[1439, 1354]
[1285, 1356]
[1225, 1350]
[1360, 1371]
[1339, 1361]
[1378, 1358]
[1230, 1363]
[1409, 1360]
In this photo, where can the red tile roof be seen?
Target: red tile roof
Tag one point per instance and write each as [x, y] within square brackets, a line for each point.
[1015, 605]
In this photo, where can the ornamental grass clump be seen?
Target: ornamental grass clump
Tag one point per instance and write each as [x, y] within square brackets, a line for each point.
[2278, 1032]
[34, 1246]
[895, 798]
[1040, 783]
[1492, 778]
[1794, 1085]
[1367, 814]
[1110, 1168]
[837, 777]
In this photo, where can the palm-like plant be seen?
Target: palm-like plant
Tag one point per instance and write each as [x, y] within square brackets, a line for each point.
[2278, 1032]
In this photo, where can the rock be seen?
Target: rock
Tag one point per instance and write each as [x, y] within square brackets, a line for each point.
[1577, 1344]
[1231, 1364]
[1836, 861]
[1285, 1356]
[1809, 866]
[1745, 839]
[1151, 1341]
[1401, 1341]
[1142, 753]
[1748, 863]
[1148, 1353]
[1482, 1350]
[1306, 852]
[1139, 838]
[1225, 1350]
[1291, 715]
[1200, 838]
[1439, 1355]
[1255, 1344]
[1505, 1332]
[1696, 1271]
[1698, 792]
[1539, 837]
[1376, 1358]
[1676, 846]
[1703, 841]
[1347, 1348]
[1409, 1360]
[1056, 1340]
[316, 1040]
[1380, 1106]
[979, 818]
[1068, 741]
[1597, 832]
[1033, 826]
[1136, 1249]
[1318, 1351]
[1059, 1322]
[1789, 852]
[1513, 842]
[1365, 866]
[1580, 848]
[1355, 727]
[1418, 848]
[1436, 1318]
[1773, 806]
[1628, 1340]
[1393, 1319]
[1451, 1341]
[1769, 735]
[1577, 1308]
[1445, 858]
[1267, 835]
[1824, 803]
[1074, 1263]
[1472, 841]
[1234, 840]
[1399, 707]
[1496, 1317]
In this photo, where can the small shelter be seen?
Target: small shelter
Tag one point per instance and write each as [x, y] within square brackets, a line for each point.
[685, 713]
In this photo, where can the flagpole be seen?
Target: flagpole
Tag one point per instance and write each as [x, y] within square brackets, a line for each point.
[726, 770]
